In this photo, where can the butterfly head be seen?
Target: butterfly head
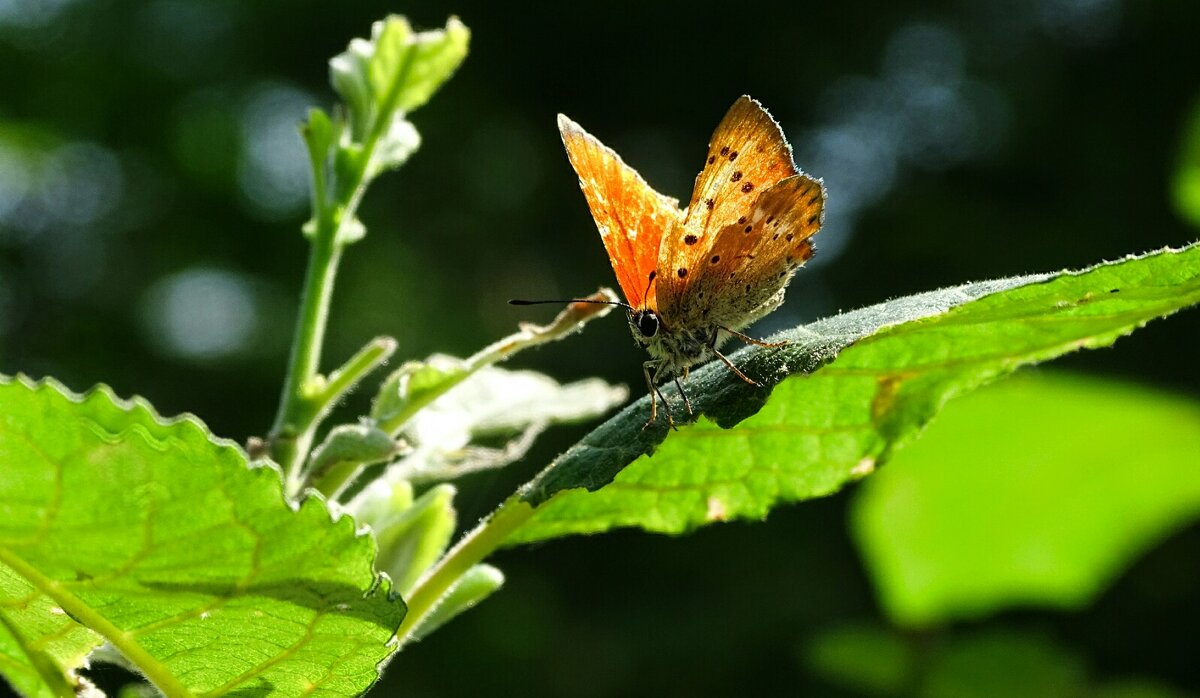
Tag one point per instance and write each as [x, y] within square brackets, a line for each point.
[645, 325]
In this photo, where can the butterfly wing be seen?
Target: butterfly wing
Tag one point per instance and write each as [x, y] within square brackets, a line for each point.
[631, 216]
[747, 156]
[749, 265]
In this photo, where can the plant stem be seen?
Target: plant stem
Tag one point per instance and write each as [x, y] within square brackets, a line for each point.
[366, 360]
[470, 551]
[305, 398]
[300, 402]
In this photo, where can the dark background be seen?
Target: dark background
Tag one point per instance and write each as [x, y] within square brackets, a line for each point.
[152, 188]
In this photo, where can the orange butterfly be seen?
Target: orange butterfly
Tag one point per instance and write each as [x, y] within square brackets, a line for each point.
[692, 278]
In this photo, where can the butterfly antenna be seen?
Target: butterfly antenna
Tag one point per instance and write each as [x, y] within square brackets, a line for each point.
[517, 301]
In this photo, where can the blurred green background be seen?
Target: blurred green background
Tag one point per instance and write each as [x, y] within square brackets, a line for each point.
[152, 186]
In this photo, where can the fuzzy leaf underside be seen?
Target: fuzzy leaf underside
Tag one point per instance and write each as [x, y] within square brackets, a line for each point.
[884, 371]
[118, 525]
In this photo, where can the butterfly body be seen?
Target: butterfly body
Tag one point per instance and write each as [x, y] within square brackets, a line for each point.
[673, 351]
[694, 277]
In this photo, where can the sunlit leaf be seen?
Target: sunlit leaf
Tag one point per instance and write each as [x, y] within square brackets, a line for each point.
[443, 405]
[414, 385]
[1037, 491]
[413, 538]
[118, 525]
[475, 585]
[435, 55]
[396, 71]
[395, 146]
[884, 371]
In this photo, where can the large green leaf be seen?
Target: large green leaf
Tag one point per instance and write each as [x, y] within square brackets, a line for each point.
[884, 372]
[152, 535]
[1036, 491]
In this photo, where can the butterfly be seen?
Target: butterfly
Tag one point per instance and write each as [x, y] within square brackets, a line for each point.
[693, 277]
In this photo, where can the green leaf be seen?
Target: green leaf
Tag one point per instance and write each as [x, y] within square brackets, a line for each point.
[449, 431]
[388, 66]
[433, 57]
[413, 538]
[878, 661]
[1004, 663]
[863, 658]
[1040, 490]
[348, 73]
[151, 534]
[884, 372]
[395, 146]
[347, 449]
[395, 72]
[1185, 186]
[349, 163]
[34, 670]
[414, 385]
[380, 501]
[319, 136]
[474, 586]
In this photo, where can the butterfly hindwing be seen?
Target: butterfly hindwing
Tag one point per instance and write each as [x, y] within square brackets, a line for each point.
[632, 218]
[749, 265]
[746, 156]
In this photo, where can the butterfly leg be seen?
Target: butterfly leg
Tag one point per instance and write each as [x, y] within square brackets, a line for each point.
[756, 342]
[735, 370]
[655, 394]
[686, 402]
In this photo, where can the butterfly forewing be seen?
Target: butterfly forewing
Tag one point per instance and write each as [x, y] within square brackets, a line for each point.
[632, 217]
[746, 156]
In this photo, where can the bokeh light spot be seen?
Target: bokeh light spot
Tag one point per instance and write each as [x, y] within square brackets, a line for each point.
[273, 171]
[200, 314]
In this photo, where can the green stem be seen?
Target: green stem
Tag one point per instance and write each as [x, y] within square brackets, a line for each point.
[305, 399]
[334, 480]
[366, 360]
[300, 403]
[339, 476]
[470, 551]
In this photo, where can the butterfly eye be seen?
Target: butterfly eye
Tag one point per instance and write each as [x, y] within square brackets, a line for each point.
[647, 323]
